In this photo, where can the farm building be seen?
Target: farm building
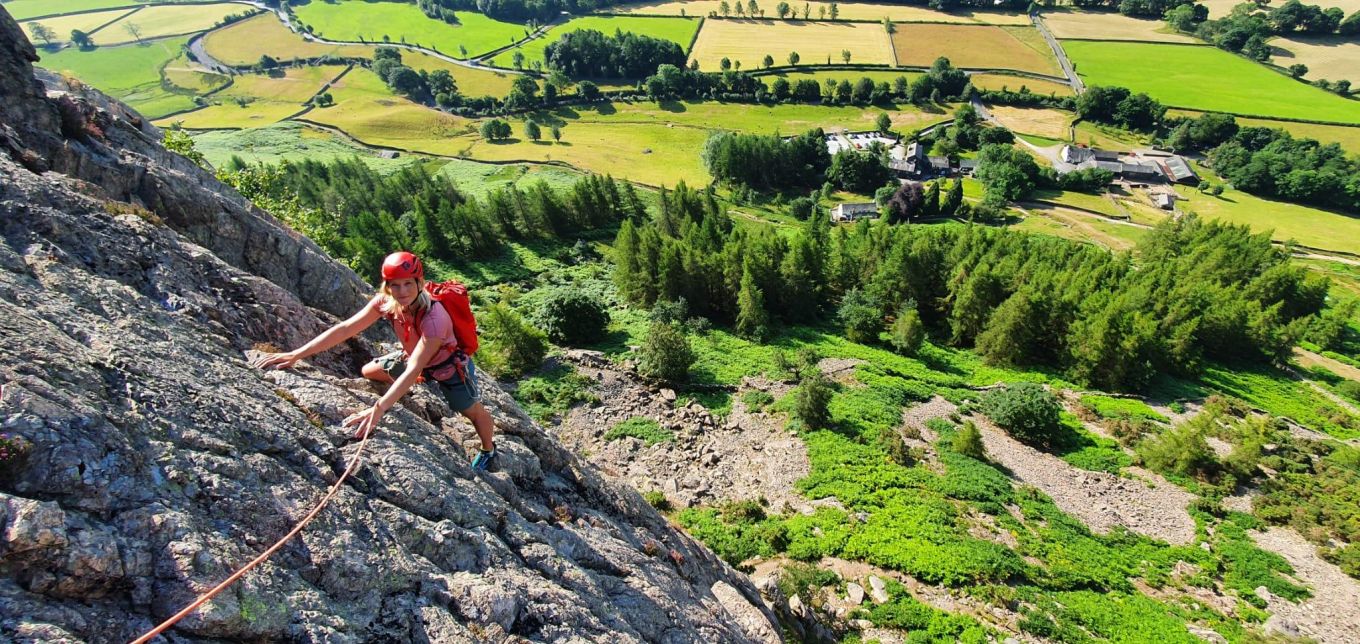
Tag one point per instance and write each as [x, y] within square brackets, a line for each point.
[1164, 200]
[1178, 170]
[853, 211]
[1078, 155]
[914, 165]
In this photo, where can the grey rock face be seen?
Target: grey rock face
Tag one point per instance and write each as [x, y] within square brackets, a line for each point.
[161, 462]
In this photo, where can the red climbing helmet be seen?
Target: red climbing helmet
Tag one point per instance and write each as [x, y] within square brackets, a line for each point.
[402, 265]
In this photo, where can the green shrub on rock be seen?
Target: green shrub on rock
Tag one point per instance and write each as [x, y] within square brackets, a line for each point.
[1025, 410]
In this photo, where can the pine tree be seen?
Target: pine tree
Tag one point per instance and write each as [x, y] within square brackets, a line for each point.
[752, 319]
[907, 333]
[931, 206]
[953, 199]
[626, 270]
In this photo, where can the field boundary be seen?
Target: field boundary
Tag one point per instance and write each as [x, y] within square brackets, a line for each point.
[778, 19]
[100, 28]
[80, 13]
[1200, 43]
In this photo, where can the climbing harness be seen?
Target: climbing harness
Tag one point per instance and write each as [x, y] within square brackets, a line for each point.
[203, 599]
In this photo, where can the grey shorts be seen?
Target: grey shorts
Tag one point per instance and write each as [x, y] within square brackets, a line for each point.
[460, 393]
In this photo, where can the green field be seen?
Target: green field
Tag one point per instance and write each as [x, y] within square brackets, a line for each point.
[256, 100]
[62, 26]
[286, 142]
[131, 73]
[25, 9]
[677, 30]
[378, 22]
[1308, 226]
[160, 21]
[1206, 78]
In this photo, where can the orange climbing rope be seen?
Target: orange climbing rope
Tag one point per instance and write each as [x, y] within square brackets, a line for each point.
[203, 599]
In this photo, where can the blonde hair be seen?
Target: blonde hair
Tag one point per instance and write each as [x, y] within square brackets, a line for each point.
[392, 308]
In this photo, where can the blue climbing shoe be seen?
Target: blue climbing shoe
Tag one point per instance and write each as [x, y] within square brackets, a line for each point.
[483, 459]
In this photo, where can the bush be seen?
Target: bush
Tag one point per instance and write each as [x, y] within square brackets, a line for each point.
[805, 581]
[812, 399]
[571, 317]
[756, 401]
[1025, 410]
[861, 314]
[643, 429]
[907, 332]
[891, 442]
[1180, 450]
[665, 354]
[968, 441]
[658, 500]
[513, 346]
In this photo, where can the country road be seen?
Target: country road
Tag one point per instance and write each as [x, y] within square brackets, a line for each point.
[1068, 69]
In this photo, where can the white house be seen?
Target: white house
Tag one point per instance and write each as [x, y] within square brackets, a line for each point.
[853, 211]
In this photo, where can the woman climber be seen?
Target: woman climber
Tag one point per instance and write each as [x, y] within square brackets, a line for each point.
[429, 347]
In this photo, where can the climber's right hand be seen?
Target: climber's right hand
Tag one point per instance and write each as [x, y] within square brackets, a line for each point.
[283, 360]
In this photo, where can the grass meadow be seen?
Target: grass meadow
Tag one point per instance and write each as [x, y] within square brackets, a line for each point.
[256, 100]
[845, 11]
[1308, 226]
[368, 111]
[748, 41]
[63, 25]
[131, 73]
[25, 9]
[286, 142]
[1206, 78]
[244, 42]
[158, 21]
[677, 30]
[376, 22]
[975, 47]
[1101, 25]
[1014, 83]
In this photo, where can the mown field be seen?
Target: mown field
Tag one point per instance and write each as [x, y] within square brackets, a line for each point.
[256, 100]
[63, 25]
[244, 42]
[1332, 58]
[1091, 25]
[25, 9]
[1206, 78]
[677, 30]
[132, 73]
[158, 21]
[975, 47]
[845, 11]
[749, 41]
[376, 22]
[1220, 8]
[1053, 124]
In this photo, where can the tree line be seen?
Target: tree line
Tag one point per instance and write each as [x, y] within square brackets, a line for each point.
[1271, 163]
[588, 53]
[1199, 291]
[359, 215]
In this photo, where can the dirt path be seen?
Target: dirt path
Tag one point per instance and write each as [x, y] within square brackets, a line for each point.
[1100, 500]
[1332, 615]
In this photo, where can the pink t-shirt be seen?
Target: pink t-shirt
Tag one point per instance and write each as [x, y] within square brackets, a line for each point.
[438, 327]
